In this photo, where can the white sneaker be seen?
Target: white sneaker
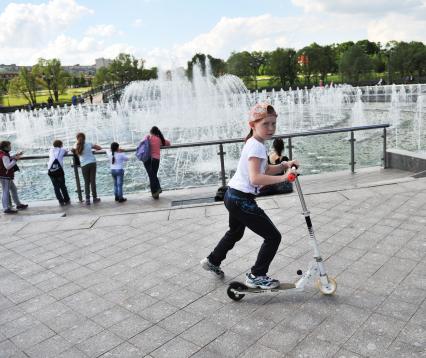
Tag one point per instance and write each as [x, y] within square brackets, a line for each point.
[263, 282]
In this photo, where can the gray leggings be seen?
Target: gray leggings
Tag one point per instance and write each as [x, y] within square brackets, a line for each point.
[89, 175]
[8, 186]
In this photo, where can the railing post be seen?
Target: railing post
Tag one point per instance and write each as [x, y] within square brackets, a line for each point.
[77, 179]
[352, 163]
[290, 149]
[222, 164]
[385, 162]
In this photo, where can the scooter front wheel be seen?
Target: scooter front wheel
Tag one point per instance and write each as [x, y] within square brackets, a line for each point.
[238, 286]
[328, 289]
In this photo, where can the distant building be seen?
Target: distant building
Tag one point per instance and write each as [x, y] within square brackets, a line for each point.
[102, 62]
[77, 69]
[8, 71]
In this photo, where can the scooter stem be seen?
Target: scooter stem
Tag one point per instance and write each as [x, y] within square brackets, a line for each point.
[314, 242]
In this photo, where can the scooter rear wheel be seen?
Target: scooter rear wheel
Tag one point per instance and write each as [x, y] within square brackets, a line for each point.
[235, 286]
[330, 288]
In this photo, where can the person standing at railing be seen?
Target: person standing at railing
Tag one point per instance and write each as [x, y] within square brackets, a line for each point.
[156, 140]
[117, 159]
[88, 166]
[276, 156]
[253, 171]
[7, 173]
[55, 170]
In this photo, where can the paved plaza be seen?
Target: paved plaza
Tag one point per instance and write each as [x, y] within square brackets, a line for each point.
[125, 281]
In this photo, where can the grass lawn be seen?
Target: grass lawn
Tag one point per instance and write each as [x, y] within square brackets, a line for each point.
[42, 96]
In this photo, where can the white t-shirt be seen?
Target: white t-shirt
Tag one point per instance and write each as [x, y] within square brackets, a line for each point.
[120, 160]
[241, 178]
[56, 152]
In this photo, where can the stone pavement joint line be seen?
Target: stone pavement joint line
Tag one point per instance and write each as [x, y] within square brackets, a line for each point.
[130, 285]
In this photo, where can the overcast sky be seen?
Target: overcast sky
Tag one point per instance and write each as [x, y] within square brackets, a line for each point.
[169, 32]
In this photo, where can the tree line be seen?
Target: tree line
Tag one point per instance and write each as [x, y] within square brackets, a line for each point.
[352, 61]
[284, 67]
[50, 75]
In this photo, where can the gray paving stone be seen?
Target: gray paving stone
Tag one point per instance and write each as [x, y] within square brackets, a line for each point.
[25, 294]
[139, 302]
[229, 344]
[367, 343]
[125, 350]
[343, 353]
[72, 353]
[50, 312]
[111, 316]
[8, 349]
[282, 339]
[65, 321]
[180, 321]
[19, 325]
[313, 348]
[65, 290]
[158, 311]
[130, 326]
[414, 335]
[259, 350]
[398, 309]
[151, 339]
[99, 344]
[50, 348]
[400, 349]
[81, 331]
[11, 313]
[420, 316]
[32, 336]
[383, 325]
[36, 303]
[203, 332]
[175, 348]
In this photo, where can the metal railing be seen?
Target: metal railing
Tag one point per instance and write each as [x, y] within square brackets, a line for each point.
[221, 152]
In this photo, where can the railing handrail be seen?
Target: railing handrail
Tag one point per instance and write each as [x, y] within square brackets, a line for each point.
[239, 140]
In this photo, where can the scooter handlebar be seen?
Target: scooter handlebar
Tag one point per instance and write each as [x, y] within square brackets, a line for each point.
[291, 177]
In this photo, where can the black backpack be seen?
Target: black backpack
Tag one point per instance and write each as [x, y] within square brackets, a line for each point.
[55, 170]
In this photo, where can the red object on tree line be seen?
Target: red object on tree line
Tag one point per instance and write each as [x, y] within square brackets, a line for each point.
[303, 59]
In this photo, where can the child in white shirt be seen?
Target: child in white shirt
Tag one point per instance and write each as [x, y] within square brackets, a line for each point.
[252, 173]
[117, 160]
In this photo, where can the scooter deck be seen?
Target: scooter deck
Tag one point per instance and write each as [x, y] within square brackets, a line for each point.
[244, 289]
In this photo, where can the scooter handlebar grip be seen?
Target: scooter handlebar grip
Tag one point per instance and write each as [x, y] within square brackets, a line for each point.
[291, 177]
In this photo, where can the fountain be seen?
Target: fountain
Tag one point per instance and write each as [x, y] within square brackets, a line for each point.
[209, 108]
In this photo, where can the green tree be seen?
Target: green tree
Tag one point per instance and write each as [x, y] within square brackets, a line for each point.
[51, 76]
[354, 63]
[283, 66]
[217, 65]
[25, 84]
[239, 65]
[4, 85]
[148, 74]
[406, 58]
[307, 66]
[341, 48]
[379, 62]
[370, 48]
[126, 68]
[102, 76]
[256, 61]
